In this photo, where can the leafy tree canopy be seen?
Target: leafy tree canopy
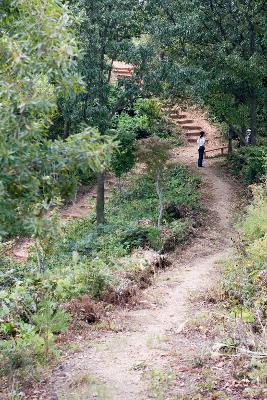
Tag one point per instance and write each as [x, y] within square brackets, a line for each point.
[35, 68]
[216, 53]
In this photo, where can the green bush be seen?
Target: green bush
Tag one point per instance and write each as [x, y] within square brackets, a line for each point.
[29, 343]
[140, 236]
[147, 120]
[150, 109]
[250, 163]
[85, 260]
[246, 274]
[127, 131]
[55, 172]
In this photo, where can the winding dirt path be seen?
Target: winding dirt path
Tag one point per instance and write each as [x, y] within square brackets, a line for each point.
[114, 366]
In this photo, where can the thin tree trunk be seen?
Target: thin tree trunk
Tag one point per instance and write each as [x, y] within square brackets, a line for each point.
[160, 196]
[253, 116]
[66, 128]
[253, 99]
[100, 200]
[110, 71]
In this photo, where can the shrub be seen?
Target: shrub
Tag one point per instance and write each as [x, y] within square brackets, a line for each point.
[84, 261]
[127, 131]
[250, 163]
[32, 342]
[55, 172]
[151, 110]
[151, 107]
[140, 236]
[246, 276]
[154, 153]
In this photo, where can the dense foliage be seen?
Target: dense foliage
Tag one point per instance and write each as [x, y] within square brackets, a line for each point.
[33, 72]
[64, 120]
[246, 277]
[143, 120]
[82, 261]
[214, 52]
[105, 35]
[249, 163]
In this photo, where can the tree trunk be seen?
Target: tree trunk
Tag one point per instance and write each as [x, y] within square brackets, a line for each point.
[253, 98]
[160, 196]
[66, 128]
[253, 116]
[100, 200]
[110, 71]
[40, 257]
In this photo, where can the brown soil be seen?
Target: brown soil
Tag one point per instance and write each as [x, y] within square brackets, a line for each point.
[131, 363]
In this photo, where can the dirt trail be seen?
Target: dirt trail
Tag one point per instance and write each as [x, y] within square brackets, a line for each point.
[113, 367]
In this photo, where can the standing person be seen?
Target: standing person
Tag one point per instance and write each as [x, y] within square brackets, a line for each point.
[248, 137]
[201, 148]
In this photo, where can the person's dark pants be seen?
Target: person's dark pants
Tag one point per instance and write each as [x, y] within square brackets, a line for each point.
[200, 156]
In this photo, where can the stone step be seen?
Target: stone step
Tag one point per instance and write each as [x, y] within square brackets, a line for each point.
[190, 140]
[174, 116]
[124, 75]
[185, 121]
[122, 72]
[192, 127]
[182, 116]
[122, 69]
[195, 134]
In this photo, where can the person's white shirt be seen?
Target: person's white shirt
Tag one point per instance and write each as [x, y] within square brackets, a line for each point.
[200, 141]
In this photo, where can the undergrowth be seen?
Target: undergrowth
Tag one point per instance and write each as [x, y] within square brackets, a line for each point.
[249, 163]
[245, 285]
[86, 260]
[246, 274]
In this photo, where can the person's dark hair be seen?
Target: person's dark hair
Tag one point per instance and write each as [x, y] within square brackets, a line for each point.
[202, 133]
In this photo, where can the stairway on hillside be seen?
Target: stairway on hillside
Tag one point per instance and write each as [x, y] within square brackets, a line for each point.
[185, 121]
[121, 70]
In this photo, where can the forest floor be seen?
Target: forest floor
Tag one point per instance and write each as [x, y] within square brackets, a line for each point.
[164, 348]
